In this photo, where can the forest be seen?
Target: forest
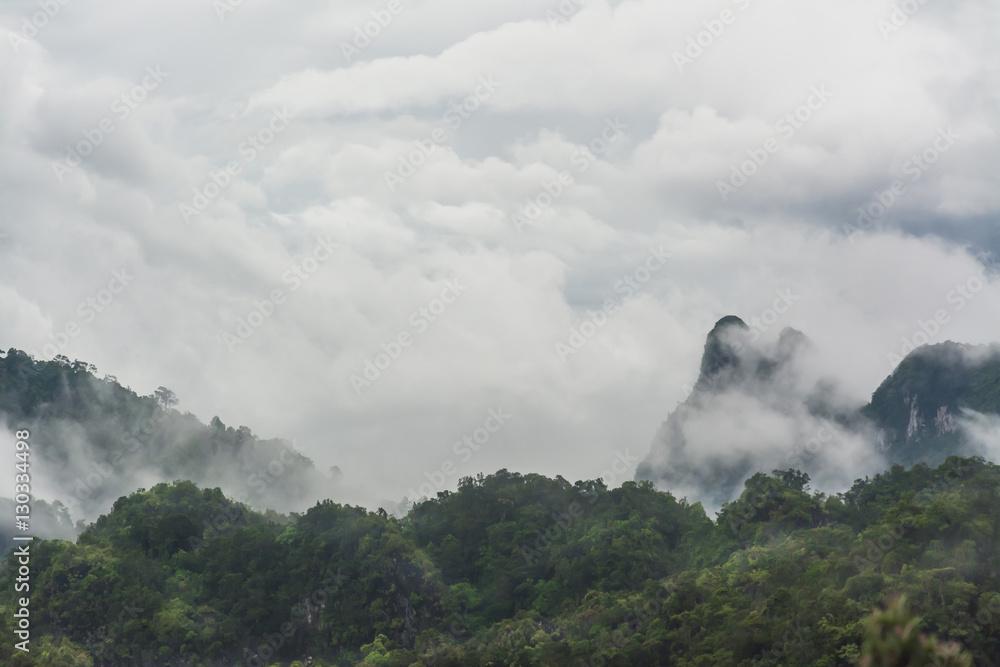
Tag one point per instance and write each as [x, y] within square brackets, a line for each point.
[518, 569]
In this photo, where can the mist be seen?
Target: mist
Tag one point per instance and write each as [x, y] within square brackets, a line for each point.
[98, 261]
[760, 405]
[94, 441]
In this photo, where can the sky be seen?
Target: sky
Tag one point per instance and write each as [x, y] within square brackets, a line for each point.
[425, 239]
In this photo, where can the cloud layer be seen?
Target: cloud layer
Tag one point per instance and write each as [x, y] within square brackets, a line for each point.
[502, 114]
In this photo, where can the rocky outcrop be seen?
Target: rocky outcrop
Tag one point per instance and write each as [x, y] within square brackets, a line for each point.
[740, 380]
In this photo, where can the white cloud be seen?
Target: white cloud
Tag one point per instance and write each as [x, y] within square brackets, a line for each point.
[325, 175]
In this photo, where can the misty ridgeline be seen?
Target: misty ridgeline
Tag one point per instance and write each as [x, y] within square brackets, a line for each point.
[243, 562]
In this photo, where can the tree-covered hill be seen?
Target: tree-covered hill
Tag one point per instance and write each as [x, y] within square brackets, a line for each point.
[518, 569]
[918, 408]
[511, 569]
[94, 440]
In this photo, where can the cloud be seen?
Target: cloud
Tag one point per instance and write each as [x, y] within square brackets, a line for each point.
[983, 432]
[759, 407]
[325, 176]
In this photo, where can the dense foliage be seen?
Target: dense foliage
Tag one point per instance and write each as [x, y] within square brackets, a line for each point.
[918, 406]
[94, 440]
[524, 570]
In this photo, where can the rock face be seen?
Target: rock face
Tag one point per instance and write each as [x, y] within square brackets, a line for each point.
[919, 409]
[732, 358]
[746, 411]
[754, 409]
[721, 363]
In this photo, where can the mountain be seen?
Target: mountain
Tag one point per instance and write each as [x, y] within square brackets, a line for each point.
[93, 441]
[515, 569]
[721, 362]
[920, 409]
[756, 407]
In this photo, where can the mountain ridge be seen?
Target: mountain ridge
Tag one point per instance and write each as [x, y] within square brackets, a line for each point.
[94, 440]
[915, 414]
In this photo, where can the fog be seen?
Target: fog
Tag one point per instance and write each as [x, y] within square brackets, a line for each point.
[270, 215]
